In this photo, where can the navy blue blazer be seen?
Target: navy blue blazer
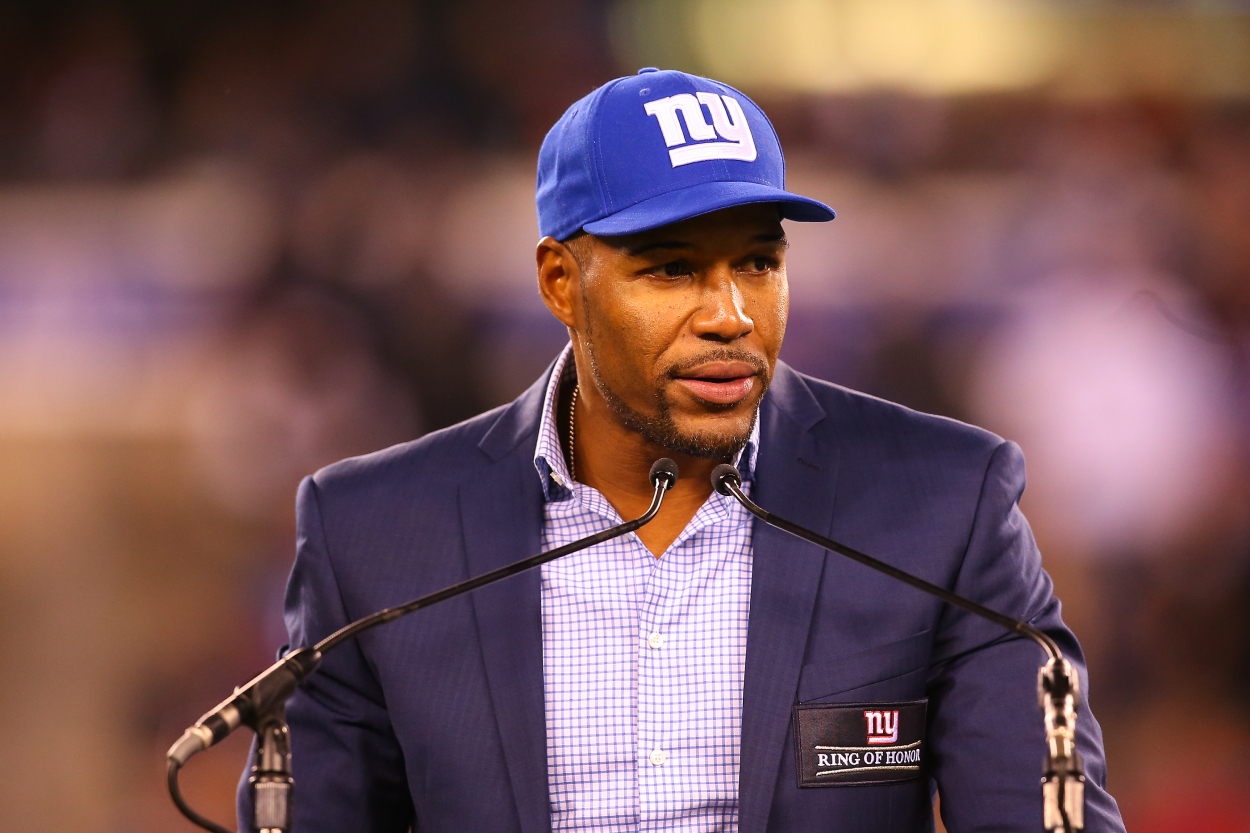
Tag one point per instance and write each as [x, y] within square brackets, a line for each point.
[436, 721]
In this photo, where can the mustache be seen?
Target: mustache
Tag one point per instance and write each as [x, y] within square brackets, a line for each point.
[718, 354]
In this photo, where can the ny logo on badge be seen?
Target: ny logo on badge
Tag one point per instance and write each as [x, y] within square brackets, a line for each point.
[882, 726]
[728, 122]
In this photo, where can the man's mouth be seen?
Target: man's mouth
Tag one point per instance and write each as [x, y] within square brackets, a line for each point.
[722, 383]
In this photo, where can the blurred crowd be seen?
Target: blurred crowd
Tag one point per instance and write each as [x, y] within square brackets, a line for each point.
[241, 240]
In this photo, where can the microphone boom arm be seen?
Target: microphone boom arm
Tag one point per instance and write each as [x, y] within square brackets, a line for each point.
[392, 613]
[261, 703]
[1063, 783]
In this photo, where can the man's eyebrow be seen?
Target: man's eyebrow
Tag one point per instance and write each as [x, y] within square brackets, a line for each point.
[771, 237]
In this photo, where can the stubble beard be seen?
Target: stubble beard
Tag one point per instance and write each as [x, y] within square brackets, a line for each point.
[662, 429]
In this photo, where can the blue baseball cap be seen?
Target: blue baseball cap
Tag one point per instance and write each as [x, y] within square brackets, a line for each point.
[654, 148]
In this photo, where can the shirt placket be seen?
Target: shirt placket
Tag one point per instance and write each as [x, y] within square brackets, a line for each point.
[662, 654]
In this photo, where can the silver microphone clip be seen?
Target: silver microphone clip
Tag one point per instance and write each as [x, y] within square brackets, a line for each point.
[1063, 782]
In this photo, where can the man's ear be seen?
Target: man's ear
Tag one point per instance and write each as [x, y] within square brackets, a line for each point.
[559, 279]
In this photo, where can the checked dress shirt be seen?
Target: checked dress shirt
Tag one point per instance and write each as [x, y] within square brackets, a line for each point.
[642, 658]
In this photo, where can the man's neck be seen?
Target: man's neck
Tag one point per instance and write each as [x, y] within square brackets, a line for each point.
[616, 461]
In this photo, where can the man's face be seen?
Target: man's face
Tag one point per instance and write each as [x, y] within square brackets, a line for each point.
[681, 326]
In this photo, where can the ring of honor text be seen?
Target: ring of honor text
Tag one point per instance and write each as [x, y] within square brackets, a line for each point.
[859, 743]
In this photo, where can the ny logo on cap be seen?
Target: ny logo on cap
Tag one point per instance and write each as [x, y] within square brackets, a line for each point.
[728, 122]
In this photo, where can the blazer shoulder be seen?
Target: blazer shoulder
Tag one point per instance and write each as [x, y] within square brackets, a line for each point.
[447, 455]
[927, 474]
[890, 431]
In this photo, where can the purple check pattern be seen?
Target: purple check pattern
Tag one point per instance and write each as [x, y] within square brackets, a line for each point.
[642, 659]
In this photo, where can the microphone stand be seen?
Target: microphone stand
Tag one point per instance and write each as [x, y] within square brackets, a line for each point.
[1063, 782]
[261, 704]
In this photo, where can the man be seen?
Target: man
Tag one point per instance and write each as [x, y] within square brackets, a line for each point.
[709, 673]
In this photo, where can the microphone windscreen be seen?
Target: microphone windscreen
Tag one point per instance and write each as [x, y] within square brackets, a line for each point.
[665, 469]
[722, 476]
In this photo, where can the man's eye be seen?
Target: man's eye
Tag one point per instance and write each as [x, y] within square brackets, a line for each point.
[759, 264]
[676, 269]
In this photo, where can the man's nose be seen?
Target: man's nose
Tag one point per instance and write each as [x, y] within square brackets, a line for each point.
[722, 314]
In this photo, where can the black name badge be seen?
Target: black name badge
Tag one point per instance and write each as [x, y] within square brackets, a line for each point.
[842, 744]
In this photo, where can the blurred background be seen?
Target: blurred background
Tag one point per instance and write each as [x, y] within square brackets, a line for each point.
[240, 240]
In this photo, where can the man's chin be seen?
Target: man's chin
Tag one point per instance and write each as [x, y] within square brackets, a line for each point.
[708, 448]
[707, 442]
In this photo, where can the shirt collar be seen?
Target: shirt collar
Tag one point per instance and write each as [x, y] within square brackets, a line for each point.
[549, 456]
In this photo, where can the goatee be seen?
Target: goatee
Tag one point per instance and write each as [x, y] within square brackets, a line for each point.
[662, 430]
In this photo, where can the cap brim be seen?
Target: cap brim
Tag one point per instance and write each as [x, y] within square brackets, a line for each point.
[705, 198]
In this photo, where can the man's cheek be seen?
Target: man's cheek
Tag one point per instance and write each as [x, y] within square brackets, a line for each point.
[639, 338]
[771, 329]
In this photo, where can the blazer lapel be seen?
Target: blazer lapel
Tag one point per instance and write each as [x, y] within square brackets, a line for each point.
[796, 476]
[501, 515]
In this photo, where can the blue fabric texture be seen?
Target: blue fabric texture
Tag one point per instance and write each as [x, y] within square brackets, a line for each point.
[437, 722]
[650, 149]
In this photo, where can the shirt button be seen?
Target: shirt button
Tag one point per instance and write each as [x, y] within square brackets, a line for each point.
[658, 757]
[656, 640]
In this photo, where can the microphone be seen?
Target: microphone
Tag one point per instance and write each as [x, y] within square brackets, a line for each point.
[663, 470]
[275, 684]
[260, 704]
[1063, 781]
